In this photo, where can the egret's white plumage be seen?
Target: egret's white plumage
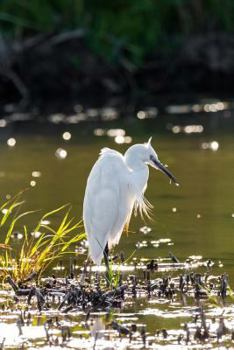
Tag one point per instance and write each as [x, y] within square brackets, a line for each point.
[115, 185]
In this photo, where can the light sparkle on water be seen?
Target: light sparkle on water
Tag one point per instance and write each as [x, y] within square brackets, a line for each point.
[36, 234]
[67, 136]
[213, 146]
[123, 139]
[119, 139]
[61, 153]
[36, 173]
[115, 132]
[3, 123]
[11, 142]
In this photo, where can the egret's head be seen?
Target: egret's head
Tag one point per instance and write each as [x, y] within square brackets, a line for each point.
[146, 154]
[155, 162]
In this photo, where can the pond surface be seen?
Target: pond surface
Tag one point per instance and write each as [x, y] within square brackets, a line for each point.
[196, 218]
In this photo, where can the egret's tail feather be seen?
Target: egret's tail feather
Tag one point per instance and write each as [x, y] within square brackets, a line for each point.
[96, 250]
[97, 259]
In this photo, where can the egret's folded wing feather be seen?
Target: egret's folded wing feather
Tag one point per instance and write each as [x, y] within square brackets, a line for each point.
[108, 152]
[105, 209]
[100, 213]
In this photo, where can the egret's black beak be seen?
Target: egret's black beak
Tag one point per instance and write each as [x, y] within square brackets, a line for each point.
[163, 169]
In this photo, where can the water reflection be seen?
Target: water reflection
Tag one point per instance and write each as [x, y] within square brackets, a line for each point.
[17, 235]
[56, 118]
[109, 113]
[123, 139]
[178, 109]
[36, 234]
[145, 230]
[115, 132]
[11, 142]
[67, 136]
[119, 135]
[3, 123]
[215, 107]
[208, 198]
[213, 145]
[36, 173]
[45, 222]
[61, 153]
[148, 113]
[211, 106]
[99, 132]
[187, 129]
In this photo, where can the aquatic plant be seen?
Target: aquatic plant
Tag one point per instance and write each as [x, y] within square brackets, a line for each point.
[37, 248]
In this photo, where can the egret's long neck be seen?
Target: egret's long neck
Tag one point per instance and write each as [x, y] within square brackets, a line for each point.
[139, 171]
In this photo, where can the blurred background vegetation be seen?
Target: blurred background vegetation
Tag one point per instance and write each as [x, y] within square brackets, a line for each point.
[116, 45]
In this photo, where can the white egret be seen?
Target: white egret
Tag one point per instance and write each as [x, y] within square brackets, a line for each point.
[116, 184]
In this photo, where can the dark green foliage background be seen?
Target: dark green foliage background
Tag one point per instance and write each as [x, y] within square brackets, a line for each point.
[135, 27]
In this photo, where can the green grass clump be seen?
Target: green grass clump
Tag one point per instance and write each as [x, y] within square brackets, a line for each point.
[34, 253]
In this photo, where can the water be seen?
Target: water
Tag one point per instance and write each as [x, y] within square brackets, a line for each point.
[196, 218]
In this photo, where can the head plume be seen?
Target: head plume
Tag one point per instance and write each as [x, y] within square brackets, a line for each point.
[149, 141]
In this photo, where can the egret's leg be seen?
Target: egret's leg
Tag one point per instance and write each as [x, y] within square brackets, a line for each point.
[84, 273]
[106, 260]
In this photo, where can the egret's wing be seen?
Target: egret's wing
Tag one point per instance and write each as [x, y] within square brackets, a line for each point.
[99, 217]
[105, 203]
[109, 153]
